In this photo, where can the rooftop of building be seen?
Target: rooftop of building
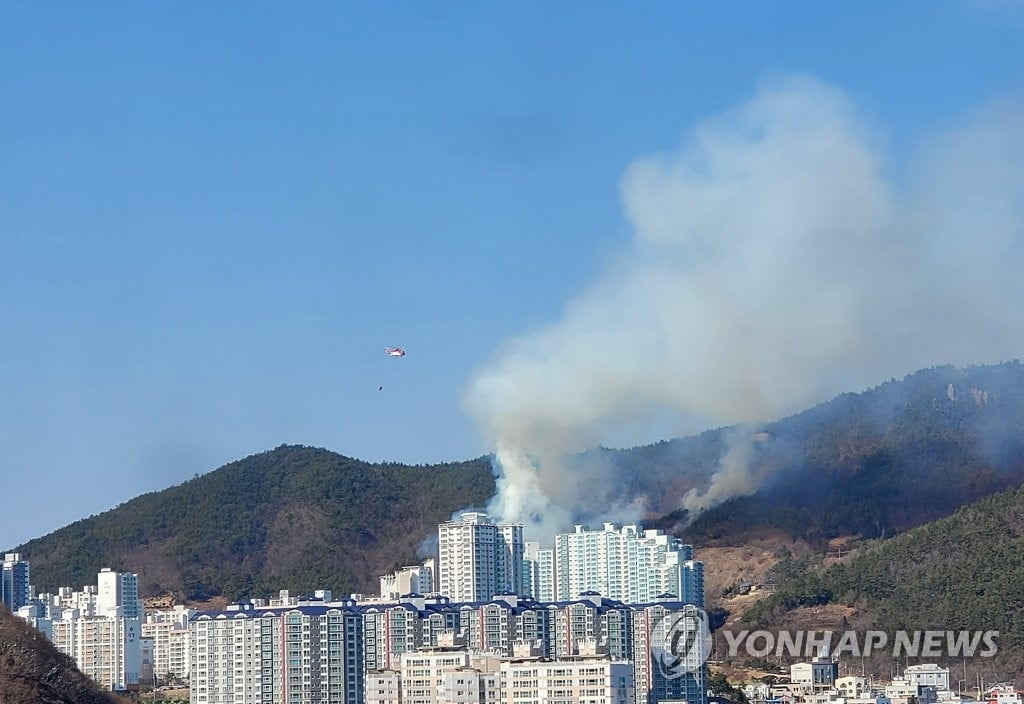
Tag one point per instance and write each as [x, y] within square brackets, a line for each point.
[425, 606]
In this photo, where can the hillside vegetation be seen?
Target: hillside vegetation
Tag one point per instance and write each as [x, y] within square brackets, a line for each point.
[294, 518]
[962, 572]
[879, 462]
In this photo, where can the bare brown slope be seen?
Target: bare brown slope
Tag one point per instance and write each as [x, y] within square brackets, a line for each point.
[33, 671]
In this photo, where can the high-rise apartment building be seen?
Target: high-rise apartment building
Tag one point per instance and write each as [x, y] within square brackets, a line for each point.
[508, 552]
[118, 590]
[291, 655]
[653, 629]
[169, 631]
[227, 659]
[15, 588]
[106, 648]
[479, 558]
[691, 579]
[100, 627]
[627, 564]
[539, 572]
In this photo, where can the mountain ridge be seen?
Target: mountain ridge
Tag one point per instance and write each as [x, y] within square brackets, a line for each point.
[884, 460]
[869, 464]
[293, 517]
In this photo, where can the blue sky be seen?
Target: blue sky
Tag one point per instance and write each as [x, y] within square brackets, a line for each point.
[213, 218]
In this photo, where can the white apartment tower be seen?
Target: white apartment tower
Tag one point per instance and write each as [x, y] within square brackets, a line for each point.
[479, 558]
[169, 632]
[539, 572]
[118, 590]
[628, 564]
[106, 648]
[226, 659]
[277, 656]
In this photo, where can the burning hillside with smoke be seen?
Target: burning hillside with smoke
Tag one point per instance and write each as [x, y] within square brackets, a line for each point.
[778, 258]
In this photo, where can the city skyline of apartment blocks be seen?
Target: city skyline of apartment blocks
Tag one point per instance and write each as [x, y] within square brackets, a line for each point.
[99, 626]
[252, 654]
[555, 631]
[478, 560]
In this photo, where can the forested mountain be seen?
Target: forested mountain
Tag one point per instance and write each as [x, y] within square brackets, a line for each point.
[294, 518]
[867, 464]
[33, 671]
[878, 462]
[961, 572]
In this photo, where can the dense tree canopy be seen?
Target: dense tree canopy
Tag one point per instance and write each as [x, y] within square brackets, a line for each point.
[296, 518]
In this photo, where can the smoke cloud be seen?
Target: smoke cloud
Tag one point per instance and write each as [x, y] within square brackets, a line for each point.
[778, 258]
[735, 474]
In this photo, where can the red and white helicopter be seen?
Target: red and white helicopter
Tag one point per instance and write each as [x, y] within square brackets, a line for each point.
[394, 351]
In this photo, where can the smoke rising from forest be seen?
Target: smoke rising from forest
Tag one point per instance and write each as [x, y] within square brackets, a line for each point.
[780, 256]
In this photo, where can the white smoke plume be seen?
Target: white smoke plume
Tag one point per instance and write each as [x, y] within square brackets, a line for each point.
[778, 258]
[735, 474]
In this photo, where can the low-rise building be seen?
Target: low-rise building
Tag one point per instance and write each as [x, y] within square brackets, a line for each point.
[927, 675]
[451, 674]
[383, 687]
[1002, 694]
[900, 690]
[582, 680]
[819, 675]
